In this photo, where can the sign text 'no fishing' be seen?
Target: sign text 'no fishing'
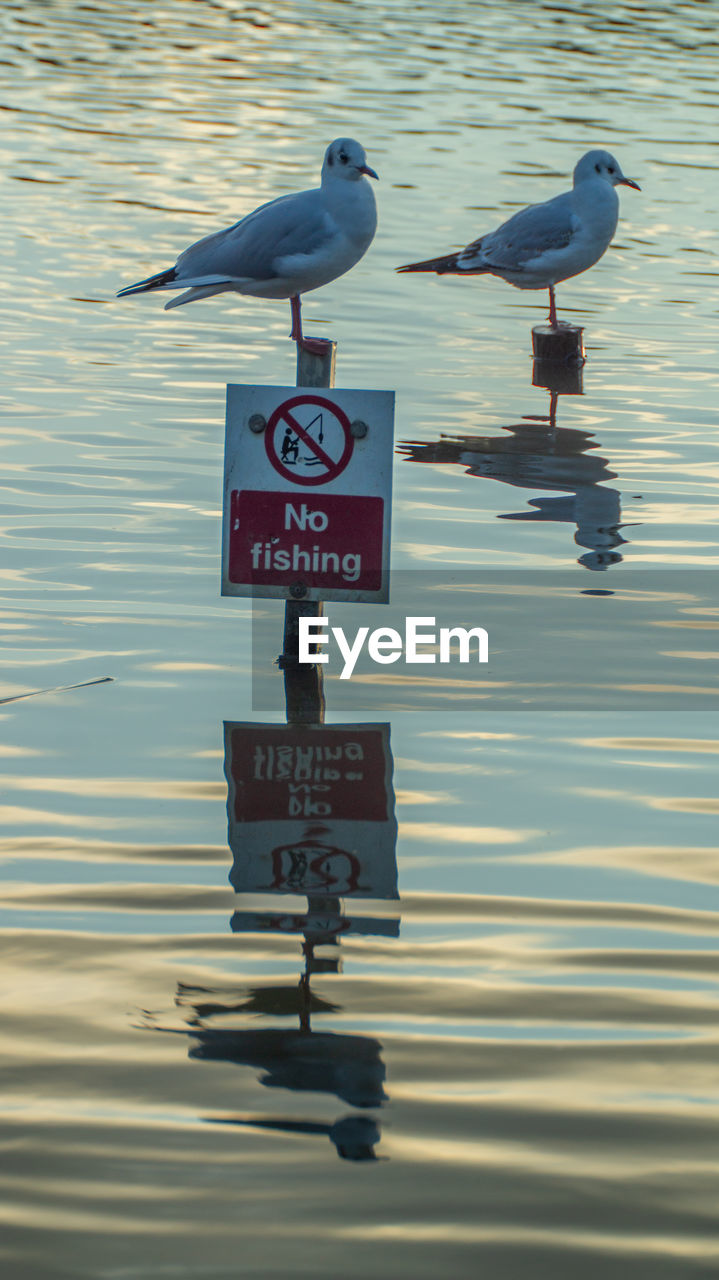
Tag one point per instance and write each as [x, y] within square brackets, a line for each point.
[308, 482]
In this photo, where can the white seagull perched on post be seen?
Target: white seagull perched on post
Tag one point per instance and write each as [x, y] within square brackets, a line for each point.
[287, 246]
[545, 243]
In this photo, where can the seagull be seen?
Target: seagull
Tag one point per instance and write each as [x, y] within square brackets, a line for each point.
[287, 246]
[545, 243]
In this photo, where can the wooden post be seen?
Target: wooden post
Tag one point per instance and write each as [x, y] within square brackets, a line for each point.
[316, 370]
[304, 685]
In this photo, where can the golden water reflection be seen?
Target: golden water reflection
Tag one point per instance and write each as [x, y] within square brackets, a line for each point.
[542, 1023]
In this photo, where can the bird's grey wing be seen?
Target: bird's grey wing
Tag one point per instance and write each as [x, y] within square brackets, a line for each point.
[532, 231]
[292, 224]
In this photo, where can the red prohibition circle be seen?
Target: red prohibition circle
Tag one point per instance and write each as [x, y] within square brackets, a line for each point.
[283, 413]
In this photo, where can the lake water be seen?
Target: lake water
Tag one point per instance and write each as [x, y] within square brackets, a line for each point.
[498, 1054]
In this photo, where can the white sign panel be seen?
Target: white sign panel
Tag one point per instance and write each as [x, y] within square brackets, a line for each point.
[307, 495]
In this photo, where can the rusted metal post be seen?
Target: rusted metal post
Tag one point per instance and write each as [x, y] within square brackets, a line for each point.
[304, 685]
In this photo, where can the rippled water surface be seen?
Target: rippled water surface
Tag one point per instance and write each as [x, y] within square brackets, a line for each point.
[494, 1051]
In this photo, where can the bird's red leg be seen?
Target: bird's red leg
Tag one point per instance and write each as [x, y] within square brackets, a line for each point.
[296, 330]
[316, 346]
[552, 308]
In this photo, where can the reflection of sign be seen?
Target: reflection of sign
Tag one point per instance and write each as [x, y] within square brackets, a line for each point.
[282, 771]
[334, 542]
[312, 924]
[308, 440]
[311, 810]
[336, 871]
[307, 493]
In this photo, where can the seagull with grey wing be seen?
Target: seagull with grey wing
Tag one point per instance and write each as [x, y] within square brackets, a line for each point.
[545, 243]
[287, 246]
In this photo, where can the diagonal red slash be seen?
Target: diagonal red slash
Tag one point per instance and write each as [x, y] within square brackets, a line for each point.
[307, 440]
[332, 466]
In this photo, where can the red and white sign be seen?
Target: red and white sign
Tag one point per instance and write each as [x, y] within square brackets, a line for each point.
[274, 540]
[311, 810]
[307, 502]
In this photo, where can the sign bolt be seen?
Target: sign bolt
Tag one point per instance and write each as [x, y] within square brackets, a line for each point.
[359, 429]
[257, 423]
[298, 590]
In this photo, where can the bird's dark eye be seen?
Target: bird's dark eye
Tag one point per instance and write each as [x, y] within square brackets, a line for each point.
[343, 157]
[610, 169]
[598, 168]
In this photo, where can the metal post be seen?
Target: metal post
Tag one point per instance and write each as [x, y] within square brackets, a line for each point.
[304, 686]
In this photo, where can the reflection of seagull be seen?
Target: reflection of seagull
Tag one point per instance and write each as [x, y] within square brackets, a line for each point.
[533, 457]
[276, 1000]
[286, 247]
[348, 1066]
[355, 1137]
[546, 243]
[597, 514]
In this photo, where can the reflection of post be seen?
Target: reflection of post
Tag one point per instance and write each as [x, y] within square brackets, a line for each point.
[308, 950]
[559, 379]
[304, 686]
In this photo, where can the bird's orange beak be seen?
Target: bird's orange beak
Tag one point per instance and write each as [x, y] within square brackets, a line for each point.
[364, 168]
[629, 182]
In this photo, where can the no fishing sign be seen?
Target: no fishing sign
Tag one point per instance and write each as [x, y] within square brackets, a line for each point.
[308, 490]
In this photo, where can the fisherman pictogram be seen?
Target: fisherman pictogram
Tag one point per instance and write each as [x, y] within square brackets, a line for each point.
[290, 448]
